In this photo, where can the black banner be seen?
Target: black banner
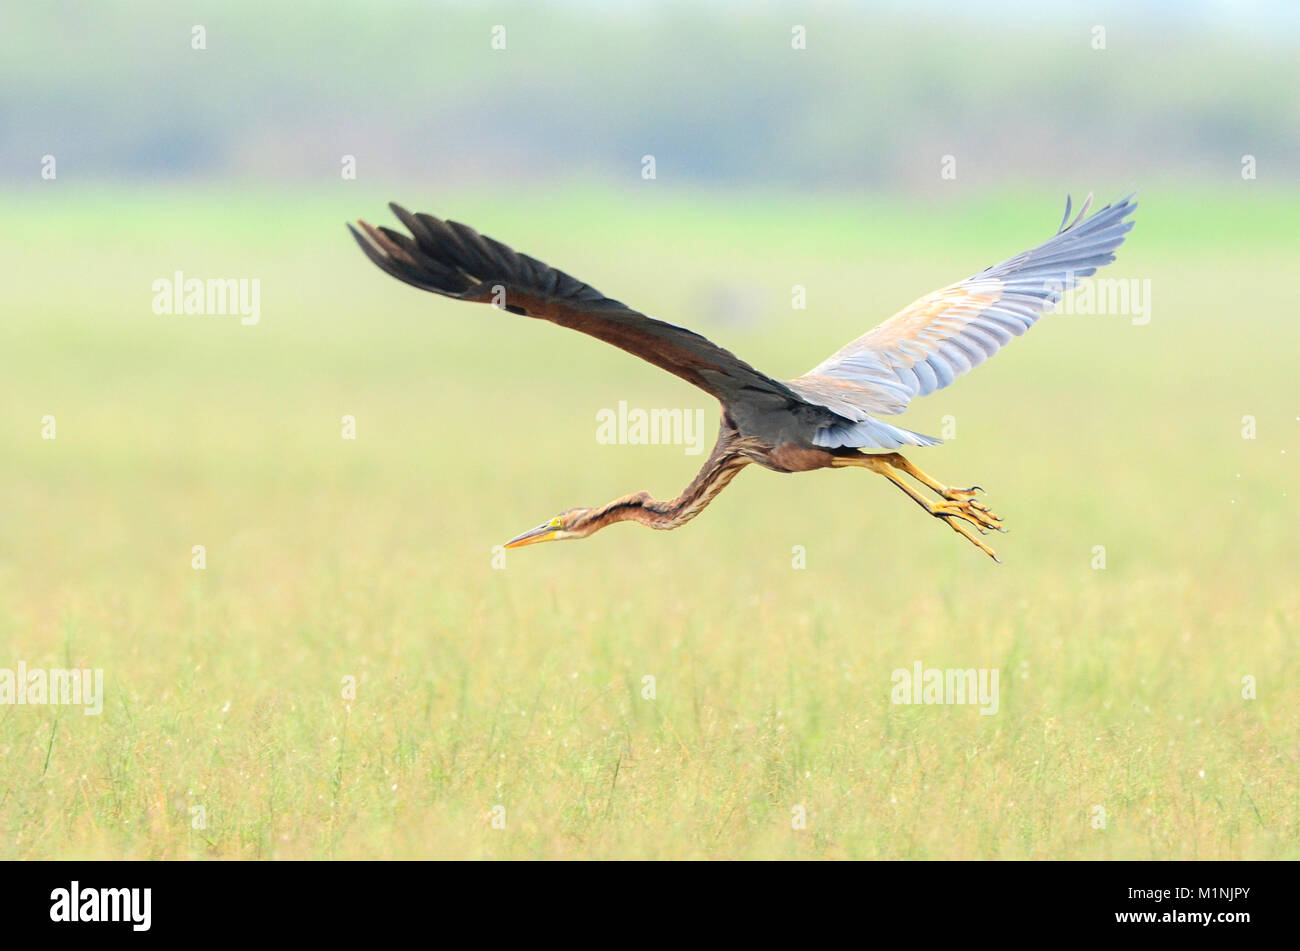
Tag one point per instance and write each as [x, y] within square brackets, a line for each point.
[951, 900]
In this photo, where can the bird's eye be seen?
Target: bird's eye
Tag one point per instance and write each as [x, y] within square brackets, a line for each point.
[556, 522]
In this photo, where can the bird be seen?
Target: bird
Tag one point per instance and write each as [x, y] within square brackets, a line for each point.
[830, 417]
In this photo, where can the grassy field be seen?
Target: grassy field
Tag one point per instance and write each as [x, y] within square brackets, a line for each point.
[522, 687]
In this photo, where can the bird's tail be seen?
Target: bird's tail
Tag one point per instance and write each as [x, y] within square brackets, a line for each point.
[871, 433]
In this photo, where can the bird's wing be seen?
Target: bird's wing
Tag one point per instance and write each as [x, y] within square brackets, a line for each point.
[453, 260]
[938, 338]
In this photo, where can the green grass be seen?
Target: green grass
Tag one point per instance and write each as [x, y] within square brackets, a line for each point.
[522, 687]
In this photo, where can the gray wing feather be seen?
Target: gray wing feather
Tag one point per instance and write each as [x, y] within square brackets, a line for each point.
[926, 346]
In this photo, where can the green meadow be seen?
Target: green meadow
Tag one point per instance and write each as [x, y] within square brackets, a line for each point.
[501, 707]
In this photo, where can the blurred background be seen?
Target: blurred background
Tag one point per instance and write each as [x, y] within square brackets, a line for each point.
[866, 153]
[423, 91]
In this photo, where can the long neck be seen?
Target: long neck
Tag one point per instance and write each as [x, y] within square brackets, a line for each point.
[718, 470]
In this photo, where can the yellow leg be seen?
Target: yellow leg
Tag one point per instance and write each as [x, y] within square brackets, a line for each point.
[957, 503]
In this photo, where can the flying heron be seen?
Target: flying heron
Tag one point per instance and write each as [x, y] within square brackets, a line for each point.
[822, 419]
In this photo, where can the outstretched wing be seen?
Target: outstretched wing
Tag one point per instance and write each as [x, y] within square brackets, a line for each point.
[453, 260]
[938, 338]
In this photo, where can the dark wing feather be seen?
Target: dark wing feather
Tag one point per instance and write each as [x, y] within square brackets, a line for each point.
[928, 344]
[454, 260]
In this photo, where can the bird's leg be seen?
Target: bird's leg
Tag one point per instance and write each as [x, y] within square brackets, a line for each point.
[899, 461]
[957, 503]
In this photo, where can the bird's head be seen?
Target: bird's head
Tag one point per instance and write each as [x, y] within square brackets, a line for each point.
[574, 523]
[581, 522]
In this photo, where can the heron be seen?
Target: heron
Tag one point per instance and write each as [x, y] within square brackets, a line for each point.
[829, 417]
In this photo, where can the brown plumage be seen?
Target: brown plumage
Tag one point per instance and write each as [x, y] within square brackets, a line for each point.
[821, 419]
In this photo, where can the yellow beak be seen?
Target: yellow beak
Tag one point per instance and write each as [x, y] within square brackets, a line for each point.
[542, 533]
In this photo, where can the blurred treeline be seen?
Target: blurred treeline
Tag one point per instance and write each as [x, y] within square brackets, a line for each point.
[714, 91]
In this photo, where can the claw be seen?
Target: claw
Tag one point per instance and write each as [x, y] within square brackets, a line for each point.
[965, 496]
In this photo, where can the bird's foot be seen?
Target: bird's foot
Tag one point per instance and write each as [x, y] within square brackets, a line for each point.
[963, 504]
[959, 507]
[956, 523]
[973, 512]
[960, 495]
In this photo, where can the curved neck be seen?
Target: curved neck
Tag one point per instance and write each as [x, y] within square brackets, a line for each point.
[718, 470]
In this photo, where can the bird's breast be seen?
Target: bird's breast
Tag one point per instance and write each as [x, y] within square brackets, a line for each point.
[791, 457]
